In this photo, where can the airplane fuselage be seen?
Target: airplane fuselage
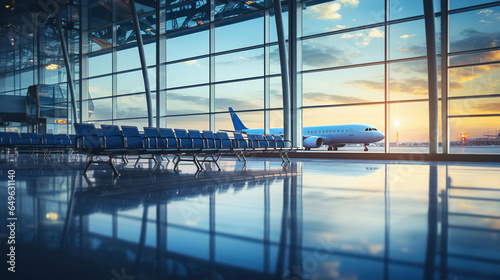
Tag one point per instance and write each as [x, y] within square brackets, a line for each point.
[335, 134]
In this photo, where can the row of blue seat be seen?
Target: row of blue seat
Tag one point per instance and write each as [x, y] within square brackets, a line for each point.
[32, 142]
[165, 141]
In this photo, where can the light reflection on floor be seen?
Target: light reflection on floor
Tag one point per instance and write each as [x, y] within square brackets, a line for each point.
[313, 219]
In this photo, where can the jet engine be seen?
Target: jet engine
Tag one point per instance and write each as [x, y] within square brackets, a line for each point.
[313, 142]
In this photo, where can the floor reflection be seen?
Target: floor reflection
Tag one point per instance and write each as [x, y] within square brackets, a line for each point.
[313, 219]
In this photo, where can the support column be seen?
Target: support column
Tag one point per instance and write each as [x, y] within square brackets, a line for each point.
[84, 62]
[267, 71]
[284, 71]
[430, 34]
[211, 38]
[444, 76]
[295, 51]
[144, 65]
[161, 59]
[69, 74]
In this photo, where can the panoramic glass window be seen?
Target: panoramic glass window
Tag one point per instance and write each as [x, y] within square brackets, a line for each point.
[187, 73]
[238, 65]
[187, 101]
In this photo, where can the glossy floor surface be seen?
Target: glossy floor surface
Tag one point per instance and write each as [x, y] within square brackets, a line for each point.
[312, 219]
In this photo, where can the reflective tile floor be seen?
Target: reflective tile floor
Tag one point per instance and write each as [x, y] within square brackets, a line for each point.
[312, 219]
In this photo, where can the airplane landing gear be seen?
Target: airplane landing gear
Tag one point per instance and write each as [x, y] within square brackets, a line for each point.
[366, 147]
[334, 148]
[330, 148]
[307, 149]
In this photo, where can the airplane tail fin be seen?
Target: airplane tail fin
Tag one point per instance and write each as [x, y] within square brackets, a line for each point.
[238, 125]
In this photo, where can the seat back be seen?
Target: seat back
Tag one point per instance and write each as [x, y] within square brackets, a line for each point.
[225, 142]
[4, 138]
[86, 136]
[64, 138]
[270, 140]
[28, 138]
[262, 141]
[50, 139]
[169, 135]
[112, 136]
[14, 138]
[72, 138]
[183, 138]
[154, 138]
[240, 141]
[253, 142]
[280, 143]
[134, 139]
[209, 138]
[198, 141]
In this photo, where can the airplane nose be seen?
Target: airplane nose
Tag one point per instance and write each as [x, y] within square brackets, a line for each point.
[381, 136]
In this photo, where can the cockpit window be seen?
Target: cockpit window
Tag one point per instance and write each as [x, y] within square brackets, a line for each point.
[370, 129]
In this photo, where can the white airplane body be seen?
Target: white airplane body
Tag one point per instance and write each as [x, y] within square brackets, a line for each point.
[334, 136]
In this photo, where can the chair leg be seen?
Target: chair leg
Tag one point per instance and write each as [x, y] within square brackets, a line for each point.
[197, 162]
[89, 163]
[216, 161]
[110, 162]
[138, 158]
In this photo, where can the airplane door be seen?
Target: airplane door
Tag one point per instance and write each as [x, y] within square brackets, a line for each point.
[351, 131]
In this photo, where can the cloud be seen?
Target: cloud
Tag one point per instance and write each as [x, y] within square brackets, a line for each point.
[327, 11]
[338, 27]
[331, 98]
[488, 107]
[473, 39]
[485, 12]
[418, 50]
[406, 36]
[350, 3]
[376, 33]
[190, 62]
[484, 21]
[352, 35]
[323, 56]
[416, 85]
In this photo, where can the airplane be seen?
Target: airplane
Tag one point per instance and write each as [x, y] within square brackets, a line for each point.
[334, 136]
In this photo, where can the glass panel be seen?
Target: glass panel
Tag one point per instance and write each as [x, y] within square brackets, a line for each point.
[100, 14]
[101, 109]
[245, 95]
[187, 73]
[474, 106]
[407, 39]
[122, 10]
[407, 135]
[455, 4]
[139, 123]
[188, 101]
[199, 122]
[403, 9]
[480, 135]
[125, 33]
[276, 93]
[239, 65]
[188, 45]
[128, 58]
[408, 80]
[335, 15]
[474, 30]
[185, 16]
[130, 82]
[238, 35]
[355, 85]
[475, 80]
[344, 49]
[131, 106]
[372, 115]
[249, 119]
[274, 60]
[473, 58]
[100, 87]
[99, 65]
[145, 6]
[26, 78]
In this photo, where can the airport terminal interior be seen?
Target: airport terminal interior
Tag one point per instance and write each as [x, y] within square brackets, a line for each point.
[258, 139]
